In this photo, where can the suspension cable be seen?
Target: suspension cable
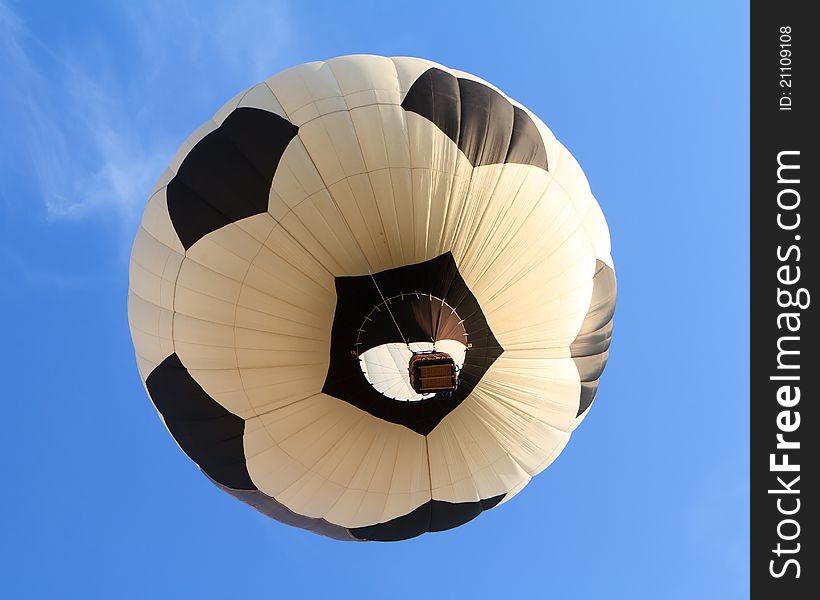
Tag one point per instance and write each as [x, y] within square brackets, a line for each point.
[390, 312]
[370, 271]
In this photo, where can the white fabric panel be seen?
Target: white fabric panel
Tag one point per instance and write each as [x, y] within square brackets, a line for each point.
[332, 144]
[295, 180]
[153, 270]
[568, 175]
[322, 457]
[355, 206]
[317, 226]
[265, 341]
[366, 80]
[306, 92]
[546, 254]
[596, 227]
[151, 332]
[511, 426]
[441, 180]
[260, 96]
[152, 273]
[384, 193]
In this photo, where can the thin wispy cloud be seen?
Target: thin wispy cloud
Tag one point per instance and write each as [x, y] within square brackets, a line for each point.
[94, 119]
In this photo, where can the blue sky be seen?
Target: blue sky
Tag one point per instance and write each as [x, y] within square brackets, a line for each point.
[650, 498]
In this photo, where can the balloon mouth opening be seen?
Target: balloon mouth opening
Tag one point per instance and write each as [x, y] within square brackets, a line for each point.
[389, 369]
[393, 360]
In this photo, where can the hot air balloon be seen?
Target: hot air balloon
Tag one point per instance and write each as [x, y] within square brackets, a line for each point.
[372, 297]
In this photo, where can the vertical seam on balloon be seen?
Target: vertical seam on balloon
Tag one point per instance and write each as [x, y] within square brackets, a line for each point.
[321, 177]
[334, 235]
[490, 196]
[377, 438]
[501, 173]
[455, 417]
[504, 247]
[392, 189]
[366, 174]
[473, 228]
[497, 435]
[575, 210]
[365, 428]
[311, 470]
[475, 223]
[388, 440]
[497, 225]
[506, 234]
[462, 223]
[456, 159]
[541, 198]
[278, 444]
[443, 453]
[236, 310]
[545, 258]
[185, 254]
[478, 445]
[347, 488]
[505, 396]
[398, 441]
[454, 154]
[388, 169]
[527, 271]
[330, 194]
[406, 131]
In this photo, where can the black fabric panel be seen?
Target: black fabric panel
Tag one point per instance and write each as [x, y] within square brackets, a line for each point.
[596, 330]
[590, 349]
[591, 367]
[227, 175]
[435, 96]
[208, 433]
[588, 391]
[435, 515]
[356, 296]
[485, 126]
[527, 145]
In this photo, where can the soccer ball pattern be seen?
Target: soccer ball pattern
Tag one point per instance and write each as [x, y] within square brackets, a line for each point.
[293, 217]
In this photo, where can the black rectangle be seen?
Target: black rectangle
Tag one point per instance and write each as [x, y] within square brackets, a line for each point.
[784, 480]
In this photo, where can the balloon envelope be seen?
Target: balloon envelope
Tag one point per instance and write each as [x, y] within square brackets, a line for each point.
[326, 226]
